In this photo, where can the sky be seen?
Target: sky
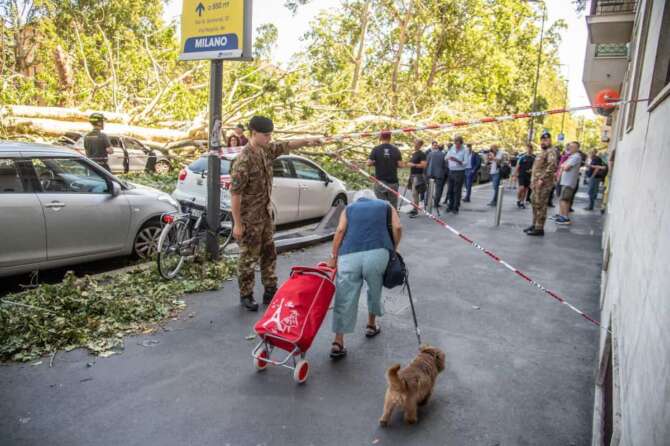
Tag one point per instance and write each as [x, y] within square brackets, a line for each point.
[291, 29]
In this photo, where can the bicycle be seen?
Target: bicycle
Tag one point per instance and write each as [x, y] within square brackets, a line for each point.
[184, 234]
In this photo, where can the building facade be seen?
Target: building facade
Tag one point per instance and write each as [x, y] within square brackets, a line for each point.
[629, 51]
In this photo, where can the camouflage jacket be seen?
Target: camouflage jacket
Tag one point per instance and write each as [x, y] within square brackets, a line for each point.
[544, 167]
[251, 178]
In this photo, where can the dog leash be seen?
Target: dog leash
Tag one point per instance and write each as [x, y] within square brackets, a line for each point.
[411, 304]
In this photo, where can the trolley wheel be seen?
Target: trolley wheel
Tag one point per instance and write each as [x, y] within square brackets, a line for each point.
[259, 363]
[301, 371]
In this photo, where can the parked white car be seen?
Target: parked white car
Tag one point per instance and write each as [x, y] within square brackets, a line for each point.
[301, 190]
[59, 208]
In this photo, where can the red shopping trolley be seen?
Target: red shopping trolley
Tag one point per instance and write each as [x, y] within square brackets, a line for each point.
[293, 319]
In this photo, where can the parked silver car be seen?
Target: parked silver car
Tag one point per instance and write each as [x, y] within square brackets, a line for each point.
[59, 208]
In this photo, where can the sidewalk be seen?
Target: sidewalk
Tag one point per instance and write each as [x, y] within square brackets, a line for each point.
[519, 364]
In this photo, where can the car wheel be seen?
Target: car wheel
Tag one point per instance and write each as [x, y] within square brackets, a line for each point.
[162, 167]
[146, 240]
[340, 200]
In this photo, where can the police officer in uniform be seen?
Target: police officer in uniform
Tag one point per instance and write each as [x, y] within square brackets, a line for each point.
[96, 142]
[542, 183]
[251, 187]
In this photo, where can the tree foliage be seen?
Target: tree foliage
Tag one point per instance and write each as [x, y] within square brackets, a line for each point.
[368, 64]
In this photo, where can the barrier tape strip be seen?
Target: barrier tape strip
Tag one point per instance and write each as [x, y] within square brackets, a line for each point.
[473, 243]
[450, 125]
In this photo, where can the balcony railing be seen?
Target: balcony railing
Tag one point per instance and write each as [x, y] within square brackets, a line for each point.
[609, 7]
[611, 50]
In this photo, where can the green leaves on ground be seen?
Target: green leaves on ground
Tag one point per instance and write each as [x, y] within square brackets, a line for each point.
[96, 313]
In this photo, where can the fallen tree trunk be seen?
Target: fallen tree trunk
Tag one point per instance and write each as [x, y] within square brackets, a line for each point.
[60, 113]
[50, 127]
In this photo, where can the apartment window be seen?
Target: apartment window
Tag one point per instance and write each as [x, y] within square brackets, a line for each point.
[640, 35]
[660, 82]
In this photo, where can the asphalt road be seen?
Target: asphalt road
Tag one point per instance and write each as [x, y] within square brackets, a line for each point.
[520, 366]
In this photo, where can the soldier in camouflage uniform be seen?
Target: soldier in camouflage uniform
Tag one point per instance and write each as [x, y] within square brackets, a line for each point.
[251, 207]
[542, 183]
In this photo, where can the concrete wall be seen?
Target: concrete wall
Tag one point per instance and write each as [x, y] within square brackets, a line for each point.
[636, 285]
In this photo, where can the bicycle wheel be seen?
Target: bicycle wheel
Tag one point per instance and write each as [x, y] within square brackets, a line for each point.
[225, 230]
[172, 249]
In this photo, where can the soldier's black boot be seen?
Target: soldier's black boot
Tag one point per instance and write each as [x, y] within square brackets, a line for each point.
[268, 295]
[536, 232]
[249, 303]
[529, 228]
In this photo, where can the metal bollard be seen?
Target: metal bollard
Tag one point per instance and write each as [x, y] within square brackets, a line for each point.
[501, 189]
[430, 199]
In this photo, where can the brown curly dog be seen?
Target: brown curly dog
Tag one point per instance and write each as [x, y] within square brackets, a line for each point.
[411, 387]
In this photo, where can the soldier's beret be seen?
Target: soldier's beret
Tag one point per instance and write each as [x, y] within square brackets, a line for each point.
[545, 134]
[261, 124]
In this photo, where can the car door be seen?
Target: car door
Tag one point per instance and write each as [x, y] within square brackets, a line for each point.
[21, 217]
[115, 159]
[82, 215]
[138, 157]
[312, 187]
[285, 192]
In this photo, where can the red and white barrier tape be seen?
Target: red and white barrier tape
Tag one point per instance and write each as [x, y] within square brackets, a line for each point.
[473, 243]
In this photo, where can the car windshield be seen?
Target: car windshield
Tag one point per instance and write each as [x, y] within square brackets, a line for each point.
[200, 166]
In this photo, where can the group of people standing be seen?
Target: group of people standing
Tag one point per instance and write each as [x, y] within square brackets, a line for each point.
[552, 171]
[457, 167]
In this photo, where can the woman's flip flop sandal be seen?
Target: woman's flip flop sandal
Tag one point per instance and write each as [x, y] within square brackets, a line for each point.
[338, 351]
[372, 330]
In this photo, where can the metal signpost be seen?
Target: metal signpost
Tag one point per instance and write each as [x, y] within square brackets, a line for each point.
[215, 30]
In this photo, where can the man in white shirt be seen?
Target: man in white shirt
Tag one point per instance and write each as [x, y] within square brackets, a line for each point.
[569, 178]
[456, 159]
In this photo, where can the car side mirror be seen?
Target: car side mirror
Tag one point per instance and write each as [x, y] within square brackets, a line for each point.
[327, 180]
[116, 189]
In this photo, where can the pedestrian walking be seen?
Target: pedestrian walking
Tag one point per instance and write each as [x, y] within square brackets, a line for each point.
[456, 161]
[495, 159]
[542, 182]
[361, 250]
[524, 167]
[474, 163]
[569, 172]
[596, 173]
[386, 159]
[96, 142]
[417, 165]
[436, 170]
[251, 186]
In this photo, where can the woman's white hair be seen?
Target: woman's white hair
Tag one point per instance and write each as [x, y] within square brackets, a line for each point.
[365, 193]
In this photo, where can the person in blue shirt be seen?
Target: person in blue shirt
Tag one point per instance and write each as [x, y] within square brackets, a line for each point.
[456, 158]
[361, 249]
[471, 171]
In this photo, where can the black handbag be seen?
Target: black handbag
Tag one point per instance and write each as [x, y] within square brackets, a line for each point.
[396, 270]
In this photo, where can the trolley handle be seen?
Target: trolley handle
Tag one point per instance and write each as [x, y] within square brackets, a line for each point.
[322, 269]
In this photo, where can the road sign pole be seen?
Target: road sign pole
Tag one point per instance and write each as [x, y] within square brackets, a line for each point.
[214, 160]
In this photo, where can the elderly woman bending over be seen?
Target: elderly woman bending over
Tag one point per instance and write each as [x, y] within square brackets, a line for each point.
[361, 251]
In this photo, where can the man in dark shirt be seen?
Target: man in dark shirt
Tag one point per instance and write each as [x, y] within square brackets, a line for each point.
[386, 158]
[524, 168]
[596, 173]
[239, 132]
[417, 166]
[96, 142]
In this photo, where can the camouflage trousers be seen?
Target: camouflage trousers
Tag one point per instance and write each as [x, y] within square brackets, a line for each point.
[539, 201]
[257, 246]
